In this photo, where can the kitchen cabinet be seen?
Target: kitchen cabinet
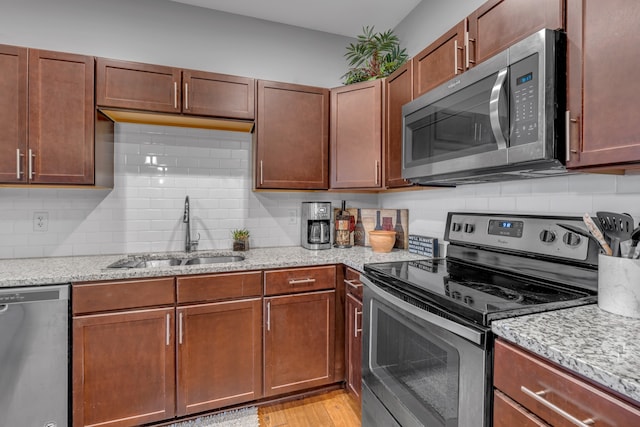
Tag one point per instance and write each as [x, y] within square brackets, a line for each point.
[46, 117]
[219, 336]
[498, 24]
[441, 60]
[123, 352]
[292, 137]
[299, 329]
[532, 391]
[353, 334]
[399, 91]
[602, 100]
[147, 87]
[356, 136]
[137, 358]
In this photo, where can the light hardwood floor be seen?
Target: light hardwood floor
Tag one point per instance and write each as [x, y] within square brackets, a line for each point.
[332, 409]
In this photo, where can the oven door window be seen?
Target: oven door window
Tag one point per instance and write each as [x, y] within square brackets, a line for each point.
[458, 125]
[422, 373]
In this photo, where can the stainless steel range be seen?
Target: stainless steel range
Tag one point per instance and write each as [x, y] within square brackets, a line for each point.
[427, 343]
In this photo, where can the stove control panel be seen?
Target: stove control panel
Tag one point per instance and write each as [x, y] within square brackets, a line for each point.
[531, 234]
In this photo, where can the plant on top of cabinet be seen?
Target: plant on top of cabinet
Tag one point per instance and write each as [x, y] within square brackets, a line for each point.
[375, 55]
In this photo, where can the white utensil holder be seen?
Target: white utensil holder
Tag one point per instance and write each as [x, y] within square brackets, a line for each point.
[619, 285]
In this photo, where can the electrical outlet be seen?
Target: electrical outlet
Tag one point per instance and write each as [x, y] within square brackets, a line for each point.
[41, 221]
[293, 217]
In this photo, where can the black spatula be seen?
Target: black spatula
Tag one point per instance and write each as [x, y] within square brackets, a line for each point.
[616, 227]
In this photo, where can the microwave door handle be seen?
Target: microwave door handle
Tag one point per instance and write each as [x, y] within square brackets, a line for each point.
[494, 116]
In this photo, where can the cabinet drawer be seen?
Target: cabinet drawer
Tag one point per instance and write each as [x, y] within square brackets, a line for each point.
[217, 287]
[518, 371]
[507, 413]
[299, 280]
[352, 283]
[107, 296]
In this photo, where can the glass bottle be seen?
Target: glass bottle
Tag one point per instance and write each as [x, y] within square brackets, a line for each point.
[358, 232]
[399, 231]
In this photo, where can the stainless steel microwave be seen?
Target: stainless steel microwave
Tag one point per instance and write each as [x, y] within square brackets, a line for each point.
[499, 121]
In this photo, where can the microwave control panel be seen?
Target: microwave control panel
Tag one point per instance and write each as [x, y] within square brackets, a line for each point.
[525, 96]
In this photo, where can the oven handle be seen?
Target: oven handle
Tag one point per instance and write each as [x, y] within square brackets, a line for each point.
[494, 113]
[451, 326]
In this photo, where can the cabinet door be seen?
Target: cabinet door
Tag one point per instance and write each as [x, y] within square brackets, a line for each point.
[440, 61]
[399, 88]
[298, 342]
[13, 114]
[497, 24]
[602, 94]
[137, 86]
[353, 315]
[123, 368]
[61, 118]
[219, 95]
[219, 355]
[292, 146]
[356, 135]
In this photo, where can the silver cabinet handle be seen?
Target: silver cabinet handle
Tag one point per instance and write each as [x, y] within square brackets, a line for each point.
[168, 328]
[180, 328]
[494, 113]
[353, 284]
[18, 155]
[377, 172]
[567, 135]
[466, 49]
[268, 315]
[356, 313]
[175, 95]
[301, 281]
[455, 57]
[539, 397]
[186, 96]
[261, 175]
[31, 156]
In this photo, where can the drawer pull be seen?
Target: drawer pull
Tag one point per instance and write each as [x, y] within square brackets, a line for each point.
[301, 281]
[353, 283]
[180, 332]
[168, 337]
[356, 313]
[539, 397]
[269, 316]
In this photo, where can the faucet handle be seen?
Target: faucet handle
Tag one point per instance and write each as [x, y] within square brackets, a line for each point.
[194, 243]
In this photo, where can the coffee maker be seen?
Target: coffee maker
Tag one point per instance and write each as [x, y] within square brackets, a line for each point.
[315, 223]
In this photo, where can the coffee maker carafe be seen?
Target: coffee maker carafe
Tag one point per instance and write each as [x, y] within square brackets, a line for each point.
[315, 232]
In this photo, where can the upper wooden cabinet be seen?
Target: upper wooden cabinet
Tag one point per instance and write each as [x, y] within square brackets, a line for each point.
[441, 60]
[132, 85]
[356, 135]
[46, 117]
[292, 137]
[498, 24]
[602, 96]
[399, 90]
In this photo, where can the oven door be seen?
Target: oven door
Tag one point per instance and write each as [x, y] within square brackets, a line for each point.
[425, 370]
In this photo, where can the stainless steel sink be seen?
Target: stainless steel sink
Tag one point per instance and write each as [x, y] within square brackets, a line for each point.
[214, 259]
[142, 262]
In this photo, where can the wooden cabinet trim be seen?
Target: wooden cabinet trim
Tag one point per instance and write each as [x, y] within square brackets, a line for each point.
[93, 297]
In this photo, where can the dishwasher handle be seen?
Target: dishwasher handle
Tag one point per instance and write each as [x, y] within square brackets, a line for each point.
[33, 294]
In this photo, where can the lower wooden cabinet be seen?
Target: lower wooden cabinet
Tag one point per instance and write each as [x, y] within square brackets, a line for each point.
[123, 368]
[533, 392]
[298, 341]
[353, 332]
[219, 355]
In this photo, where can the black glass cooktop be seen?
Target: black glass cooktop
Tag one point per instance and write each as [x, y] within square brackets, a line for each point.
[476, 293]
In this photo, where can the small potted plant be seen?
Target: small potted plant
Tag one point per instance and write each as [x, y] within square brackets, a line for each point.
[240, 239]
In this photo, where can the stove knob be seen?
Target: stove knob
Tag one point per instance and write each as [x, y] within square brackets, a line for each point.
[547, 236]
[469, 228]
[468, 300]
[571, 239]
[456, 226]
[456, 295]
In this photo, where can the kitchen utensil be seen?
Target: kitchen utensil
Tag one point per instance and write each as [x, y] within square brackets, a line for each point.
[626, 248]
[616, 227]
[595, 231]
[635, 235]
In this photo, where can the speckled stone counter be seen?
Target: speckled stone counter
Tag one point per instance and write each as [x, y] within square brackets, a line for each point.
[44, 271]
[601, 346]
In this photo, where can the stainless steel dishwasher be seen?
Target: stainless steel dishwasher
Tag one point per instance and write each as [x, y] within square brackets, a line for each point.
[34, 356]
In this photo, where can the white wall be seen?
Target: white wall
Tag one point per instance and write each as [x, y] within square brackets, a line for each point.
[169, 33]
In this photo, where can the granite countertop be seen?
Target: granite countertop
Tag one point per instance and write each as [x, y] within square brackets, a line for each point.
[53, 270]
[598, 345]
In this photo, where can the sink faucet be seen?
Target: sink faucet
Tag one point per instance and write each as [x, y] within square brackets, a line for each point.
[188, 244]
